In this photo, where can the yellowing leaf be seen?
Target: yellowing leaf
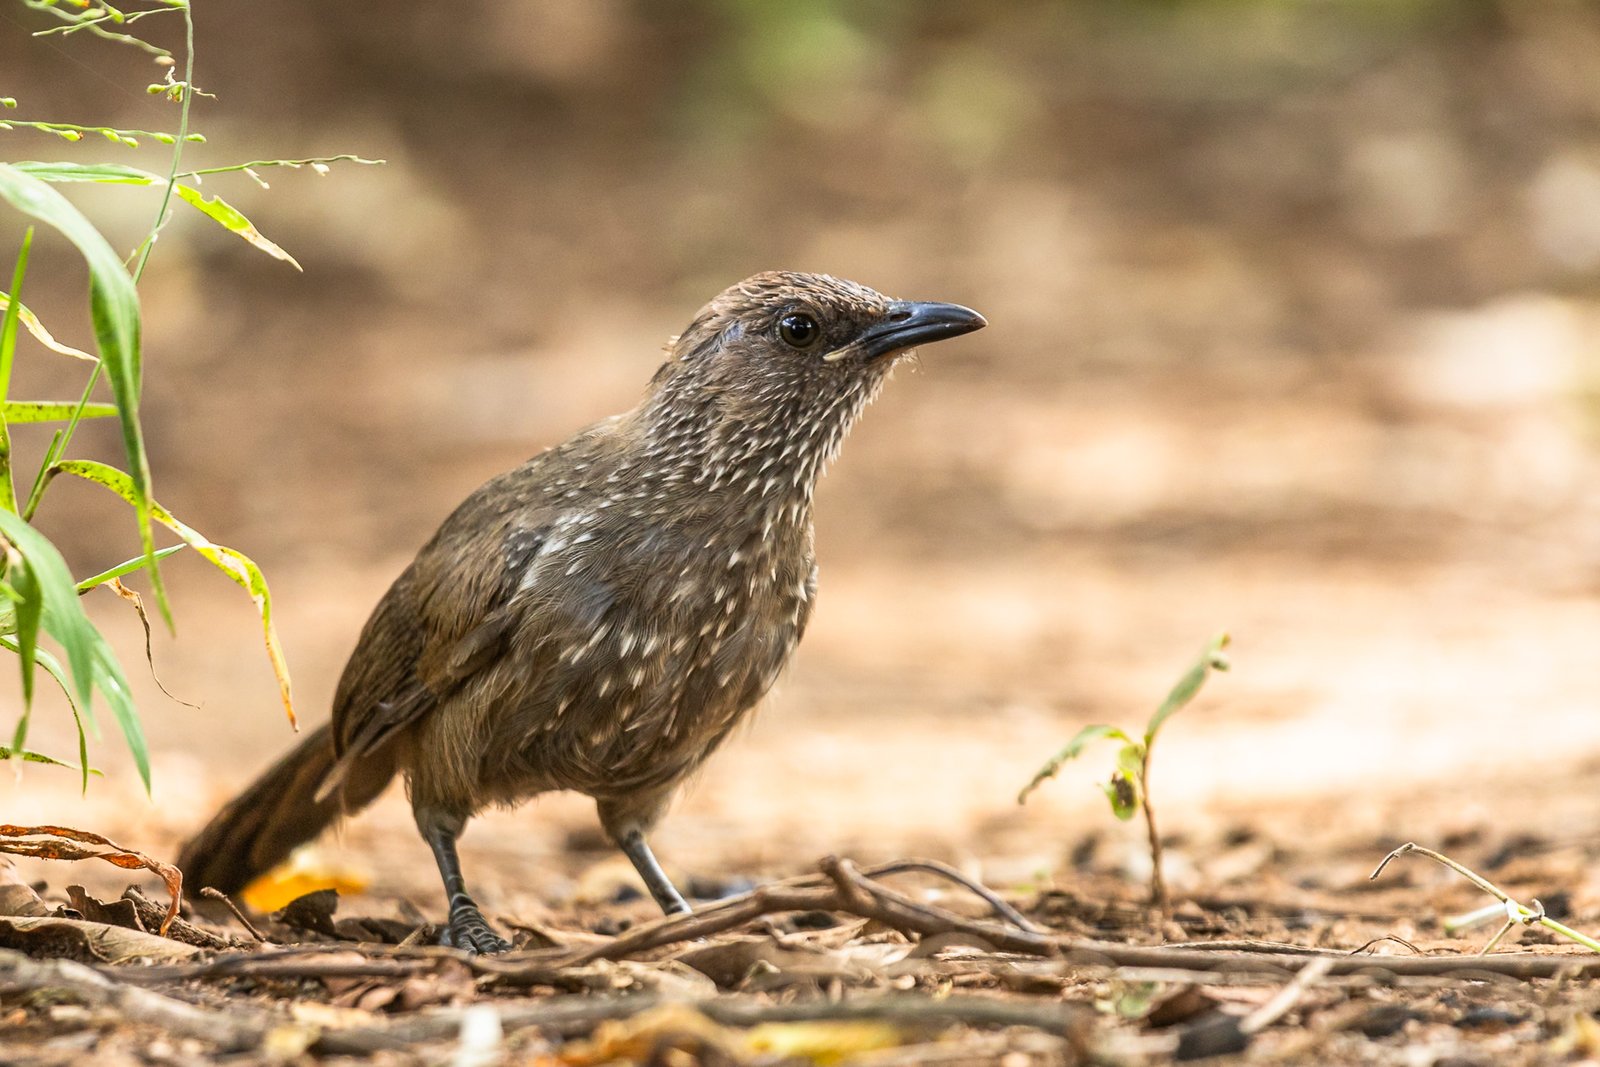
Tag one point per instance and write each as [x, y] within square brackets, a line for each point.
[31, 323]
[822, 1043]
[235, 564]
[233, 221]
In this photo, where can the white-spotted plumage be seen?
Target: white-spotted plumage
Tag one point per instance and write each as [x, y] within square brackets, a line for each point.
[600, 618]
[659, 566]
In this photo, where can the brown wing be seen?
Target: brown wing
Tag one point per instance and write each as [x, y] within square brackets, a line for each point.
[444, 618]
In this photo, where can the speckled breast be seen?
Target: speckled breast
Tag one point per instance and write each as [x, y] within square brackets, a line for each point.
[655, 642]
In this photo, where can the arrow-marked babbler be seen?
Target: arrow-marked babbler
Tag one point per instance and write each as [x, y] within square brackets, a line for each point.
[599, 618]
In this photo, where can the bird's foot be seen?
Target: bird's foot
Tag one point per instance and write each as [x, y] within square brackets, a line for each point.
[471, 932]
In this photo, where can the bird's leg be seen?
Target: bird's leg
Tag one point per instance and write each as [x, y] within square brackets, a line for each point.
[637, 850]
[468, 928]
[627, 818]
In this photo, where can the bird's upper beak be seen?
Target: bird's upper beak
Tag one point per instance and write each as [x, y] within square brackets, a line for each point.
[911, 323]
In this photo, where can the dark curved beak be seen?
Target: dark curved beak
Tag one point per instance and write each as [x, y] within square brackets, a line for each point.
[912, 323]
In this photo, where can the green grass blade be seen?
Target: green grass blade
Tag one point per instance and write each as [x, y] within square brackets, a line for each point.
[23, 588]
[83, 739]
[232, 220]
[29, 615]
[104, 173]
[8, 628]
[108, 678]
[1081, 740]
[8, 352]
[53, 411]
[114, 308]
[28, 756]
[91, 663]
[61, 615]
[235, 564]
[127, 567]
[42, 478]
[52, 667]
[1210, 659]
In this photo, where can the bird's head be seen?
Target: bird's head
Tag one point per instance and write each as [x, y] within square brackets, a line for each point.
[796, 324]
[798, 352]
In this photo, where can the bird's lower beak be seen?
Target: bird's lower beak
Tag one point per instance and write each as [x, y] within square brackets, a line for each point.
[909, 324]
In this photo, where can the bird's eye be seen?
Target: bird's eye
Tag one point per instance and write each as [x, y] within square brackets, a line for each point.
[799, 330]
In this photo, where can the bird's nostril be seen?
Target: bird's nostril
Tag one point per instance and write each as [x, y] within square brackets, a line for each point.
[900, 316]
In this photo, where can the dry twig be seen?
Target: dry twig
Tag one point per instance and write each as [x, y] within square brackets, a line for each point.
[1515, 913]
[1287, 997]
[230, 1031]
[978, 889]
[216, 894]
[845, 889]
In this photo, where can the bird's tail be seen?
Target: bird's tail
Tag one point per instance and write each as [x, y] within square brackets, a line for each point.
[280, 811]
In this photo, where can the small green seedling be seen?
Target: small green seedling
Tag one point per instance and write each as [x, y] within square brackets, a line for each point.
[1128, 789]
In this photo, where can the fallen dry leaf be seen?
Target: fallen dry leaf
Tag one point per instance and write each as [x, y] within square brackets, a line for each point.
[16, 896]
[21, 900]
[328, 1016]
[78, 939]
[649, 1036]
[121, 912]
[822, 1043]
[305, 872]
[65, 843]
[732, 961]
[654, 1035]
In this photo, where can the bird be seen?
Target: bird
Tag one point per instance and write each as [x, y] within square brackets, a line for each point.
[600, 618]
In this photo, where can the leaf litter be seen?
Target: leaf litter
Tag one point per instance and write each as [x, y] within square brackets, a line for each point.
[896, 963]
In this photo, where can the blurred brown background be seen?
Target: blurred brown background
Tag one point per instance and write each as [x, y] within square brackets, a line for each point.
[1295, 333]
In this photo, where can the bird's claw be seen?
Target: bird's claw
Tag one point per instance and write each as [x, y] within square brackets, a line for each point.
[470, 932]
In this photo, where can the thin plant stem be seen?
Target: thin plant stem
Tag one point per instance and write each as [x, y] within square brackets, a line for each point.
[1158, 883]
[260, 164]
[63, 438]
[177, 147]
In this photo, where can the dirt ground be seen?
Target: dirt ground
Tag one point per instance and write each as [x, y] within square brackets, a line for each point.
[1299, 344]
